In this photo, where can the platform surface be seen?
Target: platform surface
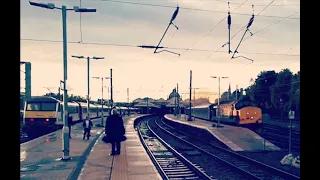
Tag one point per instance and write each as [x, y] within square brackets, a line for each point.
[132, 164]
[41, 158]
[236, 138]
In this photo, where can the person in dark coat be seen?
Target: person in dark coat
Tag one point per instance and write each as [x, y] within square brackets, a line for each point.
[87, 125]
[69, 124]
[114, 129]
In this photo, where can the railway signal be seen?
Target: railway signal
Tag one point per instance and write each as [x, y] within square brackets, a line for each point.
[291, 116]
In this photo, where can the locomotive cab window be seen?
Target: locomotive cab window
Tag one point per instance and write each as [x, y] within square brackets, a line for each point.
[33, 107]
[41, 107]
[48, 106]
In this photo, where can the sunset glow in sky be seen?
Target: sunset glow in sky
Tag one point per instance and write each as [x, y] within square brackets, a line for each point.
[155, 75]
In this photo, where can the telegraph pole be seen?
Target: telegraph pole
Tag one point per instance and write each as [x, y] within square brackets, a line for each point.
[88, 88]
[236, 93]
[28, 80]
[27, 73]
[102, 101]
[128, 95]
[189, 118]
[102, 124]
[178, 100]
[128, 101]
[147, 106]
[175, 102]
[111, 79]
[88, 79]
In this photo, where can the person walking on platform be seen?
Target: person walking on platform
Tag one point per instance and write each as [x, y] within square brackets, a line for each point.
[114, 129]
[87, 124]
[69, 124]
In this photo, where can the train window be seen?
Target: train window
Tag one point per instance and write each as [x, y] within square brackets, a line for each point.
[33, 107]
[48, 106]
[41, 106]
[71, 110]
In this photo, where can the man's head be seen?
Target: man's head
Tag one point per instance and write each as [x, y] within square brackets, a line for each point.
[114, 110]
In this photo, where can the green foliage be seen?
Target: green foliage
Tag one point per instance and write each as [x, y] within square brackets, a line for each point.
[275, 93]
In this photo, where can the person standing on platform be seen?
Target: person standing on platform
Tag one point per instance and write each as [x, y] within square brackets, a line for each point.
[114, 129]
[87, 125]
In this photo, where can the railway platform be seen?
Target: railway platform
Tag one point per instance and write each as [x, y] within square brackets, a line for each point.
[132, 163]
[41, 158]
[236, 138]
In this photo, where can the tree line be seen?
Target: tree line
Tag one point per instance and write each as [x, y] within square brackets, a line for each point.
[275, 93]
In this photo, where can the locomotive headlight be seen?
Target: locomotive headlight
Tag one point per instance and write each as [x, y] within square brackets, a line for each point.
[251, 117]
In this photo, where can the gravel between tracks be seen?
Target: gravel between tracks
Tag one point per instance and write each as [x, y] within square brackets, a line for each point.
[211, 166]
[271, 158]
[196, 132]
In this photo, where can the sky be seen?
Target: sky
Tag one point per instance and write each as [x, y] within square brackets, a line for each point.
[275, 46]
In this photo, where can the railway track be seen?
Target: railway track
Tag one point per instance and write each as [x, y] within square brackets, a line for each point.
[280, 136]
[277, 133]
[236, 162]
[171, 164]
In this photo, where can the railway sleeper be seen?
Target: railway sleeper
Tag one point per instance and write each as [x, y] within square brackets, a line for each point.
[240, 164]
[182, 175]
[177, 167]
[224, 156]
[179, 172]
[166, 159]
[170, 163]
[176, 170]
[259, 174]
[173, 167]
[195, 177]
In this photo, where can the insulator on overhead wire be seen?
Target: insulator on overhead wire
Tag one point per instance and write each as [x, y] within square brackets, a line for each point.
[175, 14]
[250, 21]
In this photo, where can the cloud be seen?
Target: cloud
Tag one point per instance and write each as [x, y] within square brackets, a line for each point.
[118, 23]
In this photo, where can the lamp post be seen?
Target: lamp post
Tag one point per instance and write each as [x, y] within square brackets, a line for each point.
[88, 67]
[64, 9]
[219, 97]
[101, 97]
[190, 91]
